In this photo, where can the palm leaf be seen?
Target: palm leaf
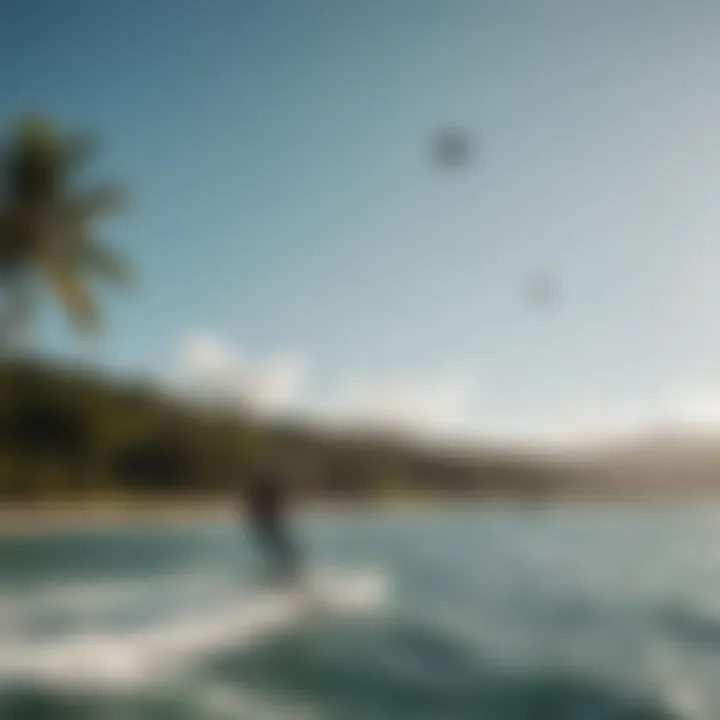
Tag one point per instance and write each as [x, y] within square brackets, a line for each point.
[72, 295]
[73, 244]
[7, 244]
[78, 150]
[45, 225]
[33, 167]
[36, 134]
[18, 237]
[104, 263]
[16, 310]
[101, 200]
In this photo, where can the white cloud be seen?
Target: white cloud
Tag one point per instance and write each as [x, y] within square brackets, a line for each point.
[440, 406]
[276, 384]
[211, 370]
[431, 406]
[696, 407]
[206, 354]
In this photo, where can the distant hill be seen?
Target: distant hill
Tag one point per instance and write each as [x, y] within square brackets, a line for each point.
[67, 433]
[673, 461]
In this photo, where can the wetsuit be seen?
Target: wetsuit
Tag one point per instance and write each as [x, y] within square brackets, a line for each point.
[267, 507]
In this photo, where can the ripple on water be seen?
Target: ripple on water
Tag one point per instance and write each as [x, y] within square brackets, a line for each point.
[407, 669]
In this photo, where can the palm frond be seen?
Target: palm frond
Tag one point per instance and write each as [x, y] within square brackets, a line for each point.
[17, 238]
[36, 134]
[102, 200]
[73, 243]
[104, 263]
[78, 150]
[72, 295]
[17, 310]
[46, 224]
[7, 244]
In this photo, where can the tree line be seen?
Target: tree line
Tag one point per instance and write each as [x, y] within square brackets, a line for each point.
[65, 433]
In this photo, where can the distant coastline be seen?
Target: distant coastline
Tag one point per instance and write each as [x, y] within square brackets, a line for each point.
[20, 519]
[16, 518]
[79, 451]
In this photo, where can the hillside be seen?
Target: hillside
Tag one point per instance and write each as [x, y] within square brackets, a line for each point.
[67, 434]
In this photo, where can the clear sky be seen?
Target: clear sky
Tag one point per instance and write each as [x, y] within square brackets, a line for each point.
[289, 224]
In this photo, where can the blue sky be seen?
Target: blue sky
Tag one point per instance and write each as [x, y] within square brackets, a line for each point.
[286, 213]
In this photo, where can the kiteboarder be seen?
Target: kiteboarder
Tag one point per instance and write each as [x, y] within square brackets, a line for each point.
[268, 510]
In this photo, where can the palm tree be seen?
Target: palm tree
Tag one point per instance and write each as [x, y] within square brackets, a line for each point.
[45, 228]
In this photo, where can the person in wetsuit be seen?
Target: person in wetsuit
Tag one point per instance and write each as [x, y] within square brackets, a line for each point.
[267, 504]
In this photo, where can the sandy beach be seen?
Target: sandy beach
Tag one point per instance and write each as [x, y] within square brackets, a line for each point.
[18, 518]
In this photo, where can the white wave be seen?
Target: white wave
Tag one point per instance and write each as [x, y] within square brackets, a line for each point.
[94, 599]
[686, 701]
[354, 592]
[149, 654]
[229, 702]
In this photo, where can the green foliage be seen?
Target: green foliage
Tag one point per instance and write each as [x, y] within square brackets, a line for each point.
[65, 433]
[47, 227]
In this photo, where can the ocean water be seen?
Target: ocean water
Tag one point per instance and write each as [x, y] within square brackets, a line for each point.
[575, 612]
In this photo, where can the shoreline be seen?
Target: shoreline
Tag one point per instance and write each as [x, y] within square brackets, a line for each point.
[15, 518]
[67, 515]
[21, 518]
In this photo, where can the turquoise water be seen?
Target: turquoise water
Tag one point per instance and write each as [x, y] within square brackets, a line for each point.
[584, 613]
